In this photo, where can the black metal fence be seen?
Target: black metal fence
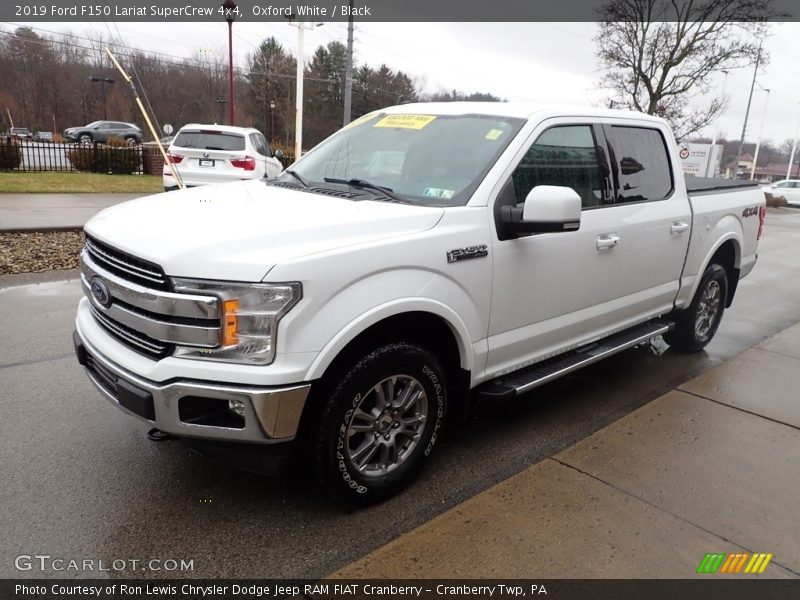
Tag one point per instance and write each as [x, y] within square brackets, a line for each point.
[29, 156]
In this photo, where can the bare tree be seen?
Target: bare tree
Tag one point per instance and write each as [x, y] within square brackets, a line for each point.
[659, 55]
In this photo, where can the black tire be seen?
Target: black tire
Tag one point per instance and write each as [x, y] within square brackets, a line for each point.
[696, 326]
[132, 141]
[85, 138]
[391, 453]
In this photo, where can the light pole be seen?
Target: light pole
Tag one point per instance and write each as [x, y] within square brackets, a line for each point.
[222, 102]
[760, 131]
[747, 114]
[230, 12]
[103, 81]
[271, 121]
[298, 111]
[794, 149]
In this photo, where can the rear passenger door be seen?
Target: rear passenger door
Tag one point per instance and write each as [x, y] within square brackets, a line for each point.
[652, 210]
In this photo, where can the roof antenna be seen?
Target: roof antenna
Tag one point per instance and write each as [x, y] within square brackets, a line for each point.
[167, 161]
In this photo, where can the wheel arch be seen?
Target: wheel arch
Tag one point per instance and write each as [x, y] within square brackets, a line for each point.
[728, 253]
[728, 256]
[445, 337]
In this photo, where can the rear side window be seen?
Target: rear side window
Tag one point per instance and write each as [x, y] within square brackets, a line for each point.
[642, 164]
[260, 144]
[209, 140]
[565, 156]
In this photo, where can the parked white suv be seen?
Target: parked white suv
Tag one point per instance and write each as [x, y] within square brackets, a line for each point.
[204, 154]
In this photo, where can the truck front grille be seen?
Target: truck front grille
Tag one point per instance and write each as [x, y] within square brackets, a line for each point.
[127, 267]
[131, 337]
[132, 300]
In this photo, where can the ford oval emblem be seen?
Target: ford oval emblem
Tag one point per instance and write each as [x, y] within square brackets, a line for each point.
[100, 292]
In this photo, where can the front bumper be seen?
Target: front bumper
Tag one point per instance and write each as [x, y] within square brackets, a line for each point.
[197, 409]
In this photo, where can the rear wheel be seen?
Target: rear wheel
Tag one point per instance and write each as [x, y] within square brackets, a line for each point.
[696, 326]
[379, 423]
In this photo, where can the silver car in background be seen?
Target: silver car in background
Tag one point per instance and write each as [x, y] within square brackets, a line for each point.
[205, 154]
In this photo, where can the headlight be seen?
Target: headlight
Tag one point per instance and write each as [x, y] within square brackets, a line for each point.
[250, 315]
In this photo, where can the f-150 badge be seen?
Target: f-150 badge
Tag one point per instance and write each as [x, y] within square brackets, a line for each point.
[468, 252]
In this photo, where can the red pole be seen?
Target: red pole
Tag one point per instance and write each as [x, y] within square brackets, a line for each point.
[230, 70]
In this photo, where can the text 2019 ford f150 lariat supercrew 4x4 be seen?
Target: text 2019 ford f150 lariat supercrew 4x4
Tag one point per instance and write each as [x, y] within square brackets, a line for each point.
[421, 256]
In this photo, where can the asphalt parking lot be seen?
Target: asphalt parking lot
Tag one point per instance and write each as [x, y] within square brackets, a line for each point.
[81, 480]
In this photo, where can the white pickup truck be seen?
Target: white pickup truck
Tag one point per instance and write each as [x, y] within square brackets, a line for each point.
[423, 256]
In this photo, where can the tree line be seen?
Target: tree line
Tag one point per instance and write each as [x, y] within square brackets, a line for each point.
[45, 85]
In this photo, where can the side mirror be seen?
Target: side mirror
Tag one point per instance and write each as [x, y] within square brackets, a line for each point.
[547, 209]
[278, 153]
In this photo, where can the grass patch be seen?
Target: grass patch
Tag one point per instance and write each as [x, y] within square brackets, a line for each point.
[73, 183]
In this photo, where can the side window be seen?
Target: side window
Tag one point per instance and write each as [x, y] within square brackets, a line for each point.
[267, 151]
[641, 164]
[564, 155]
[259, 143]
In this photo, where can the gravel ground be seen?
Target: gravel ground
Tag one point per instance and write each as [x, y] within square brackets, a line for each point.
[38, 252]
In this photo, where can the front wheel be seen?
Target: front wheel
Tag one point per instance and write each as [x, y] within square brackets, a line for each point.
[85, 139]
[695, 326]
[380, 422]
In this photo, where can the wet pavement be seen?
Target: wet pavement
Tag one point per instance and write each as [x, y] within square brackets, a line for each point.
[710, 467]
[81, 480]
[42, 212]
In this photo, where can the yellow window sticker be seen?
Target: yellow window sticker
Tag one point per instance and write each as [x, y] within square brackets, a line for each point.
[362, 119]
[494, 134]
[405, 121]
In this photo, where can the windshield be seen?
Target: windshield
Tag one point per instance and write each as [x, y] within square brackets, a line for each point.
[424, 159]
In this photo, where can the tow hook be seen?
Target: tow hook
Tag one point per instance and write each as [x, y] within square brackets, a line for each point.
[156, 435]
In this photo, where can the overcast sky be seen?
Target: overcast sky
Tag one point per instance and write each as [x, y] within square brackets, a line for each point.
[546, 62]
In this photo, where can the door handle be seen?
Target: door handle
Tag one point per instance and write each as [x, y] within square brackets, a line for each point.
[678, 227]
[607, 241]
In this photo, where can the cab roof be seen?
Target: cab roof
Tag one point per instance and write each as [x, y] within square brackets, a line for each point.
[521, 110]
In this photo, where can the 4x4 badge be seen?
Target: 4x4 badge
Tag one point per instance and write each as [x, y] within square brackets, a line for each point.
[468, 252]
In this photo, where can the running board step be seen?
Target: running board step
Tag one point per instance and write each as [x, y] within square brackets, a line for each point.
[528, 378]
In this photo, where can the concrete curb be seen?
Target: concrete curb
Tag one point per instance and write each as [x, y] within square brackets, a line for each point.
[54, 229]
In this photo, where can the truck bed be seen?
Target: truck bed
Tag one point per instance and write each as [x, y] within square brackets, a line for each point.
[697, 186]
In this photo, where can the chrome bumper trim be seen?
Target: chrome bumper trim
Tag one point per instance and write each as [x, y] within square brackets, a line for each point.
[271, 414]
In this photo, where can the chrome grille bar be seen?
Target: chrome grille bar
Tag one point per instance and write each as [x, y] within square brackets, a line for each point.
[127, 266]
[191, 306]
[149, 346]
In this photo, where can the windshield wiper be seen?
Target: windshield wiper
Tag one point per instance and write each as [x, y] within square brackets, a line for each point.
[364, 184]
[296, 176]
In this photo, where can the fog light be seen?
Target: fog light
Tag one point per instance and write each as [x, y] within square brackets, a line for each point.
[236, 407]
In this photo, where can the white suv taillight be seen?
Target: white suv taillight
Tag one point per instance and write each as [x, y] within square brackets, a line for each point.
[174, 158]
[248, 164]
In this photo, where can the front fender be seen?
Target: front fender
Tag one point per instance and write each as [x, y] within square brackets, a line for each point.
[389, 309]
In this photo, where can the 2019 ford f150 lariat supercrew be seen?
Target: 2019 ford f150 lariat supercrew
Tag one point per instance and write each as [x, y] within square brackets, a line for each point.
[423, 255]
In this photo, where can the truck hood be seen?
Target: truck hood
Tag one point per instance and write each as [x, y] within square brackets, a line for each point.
[239, 231]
